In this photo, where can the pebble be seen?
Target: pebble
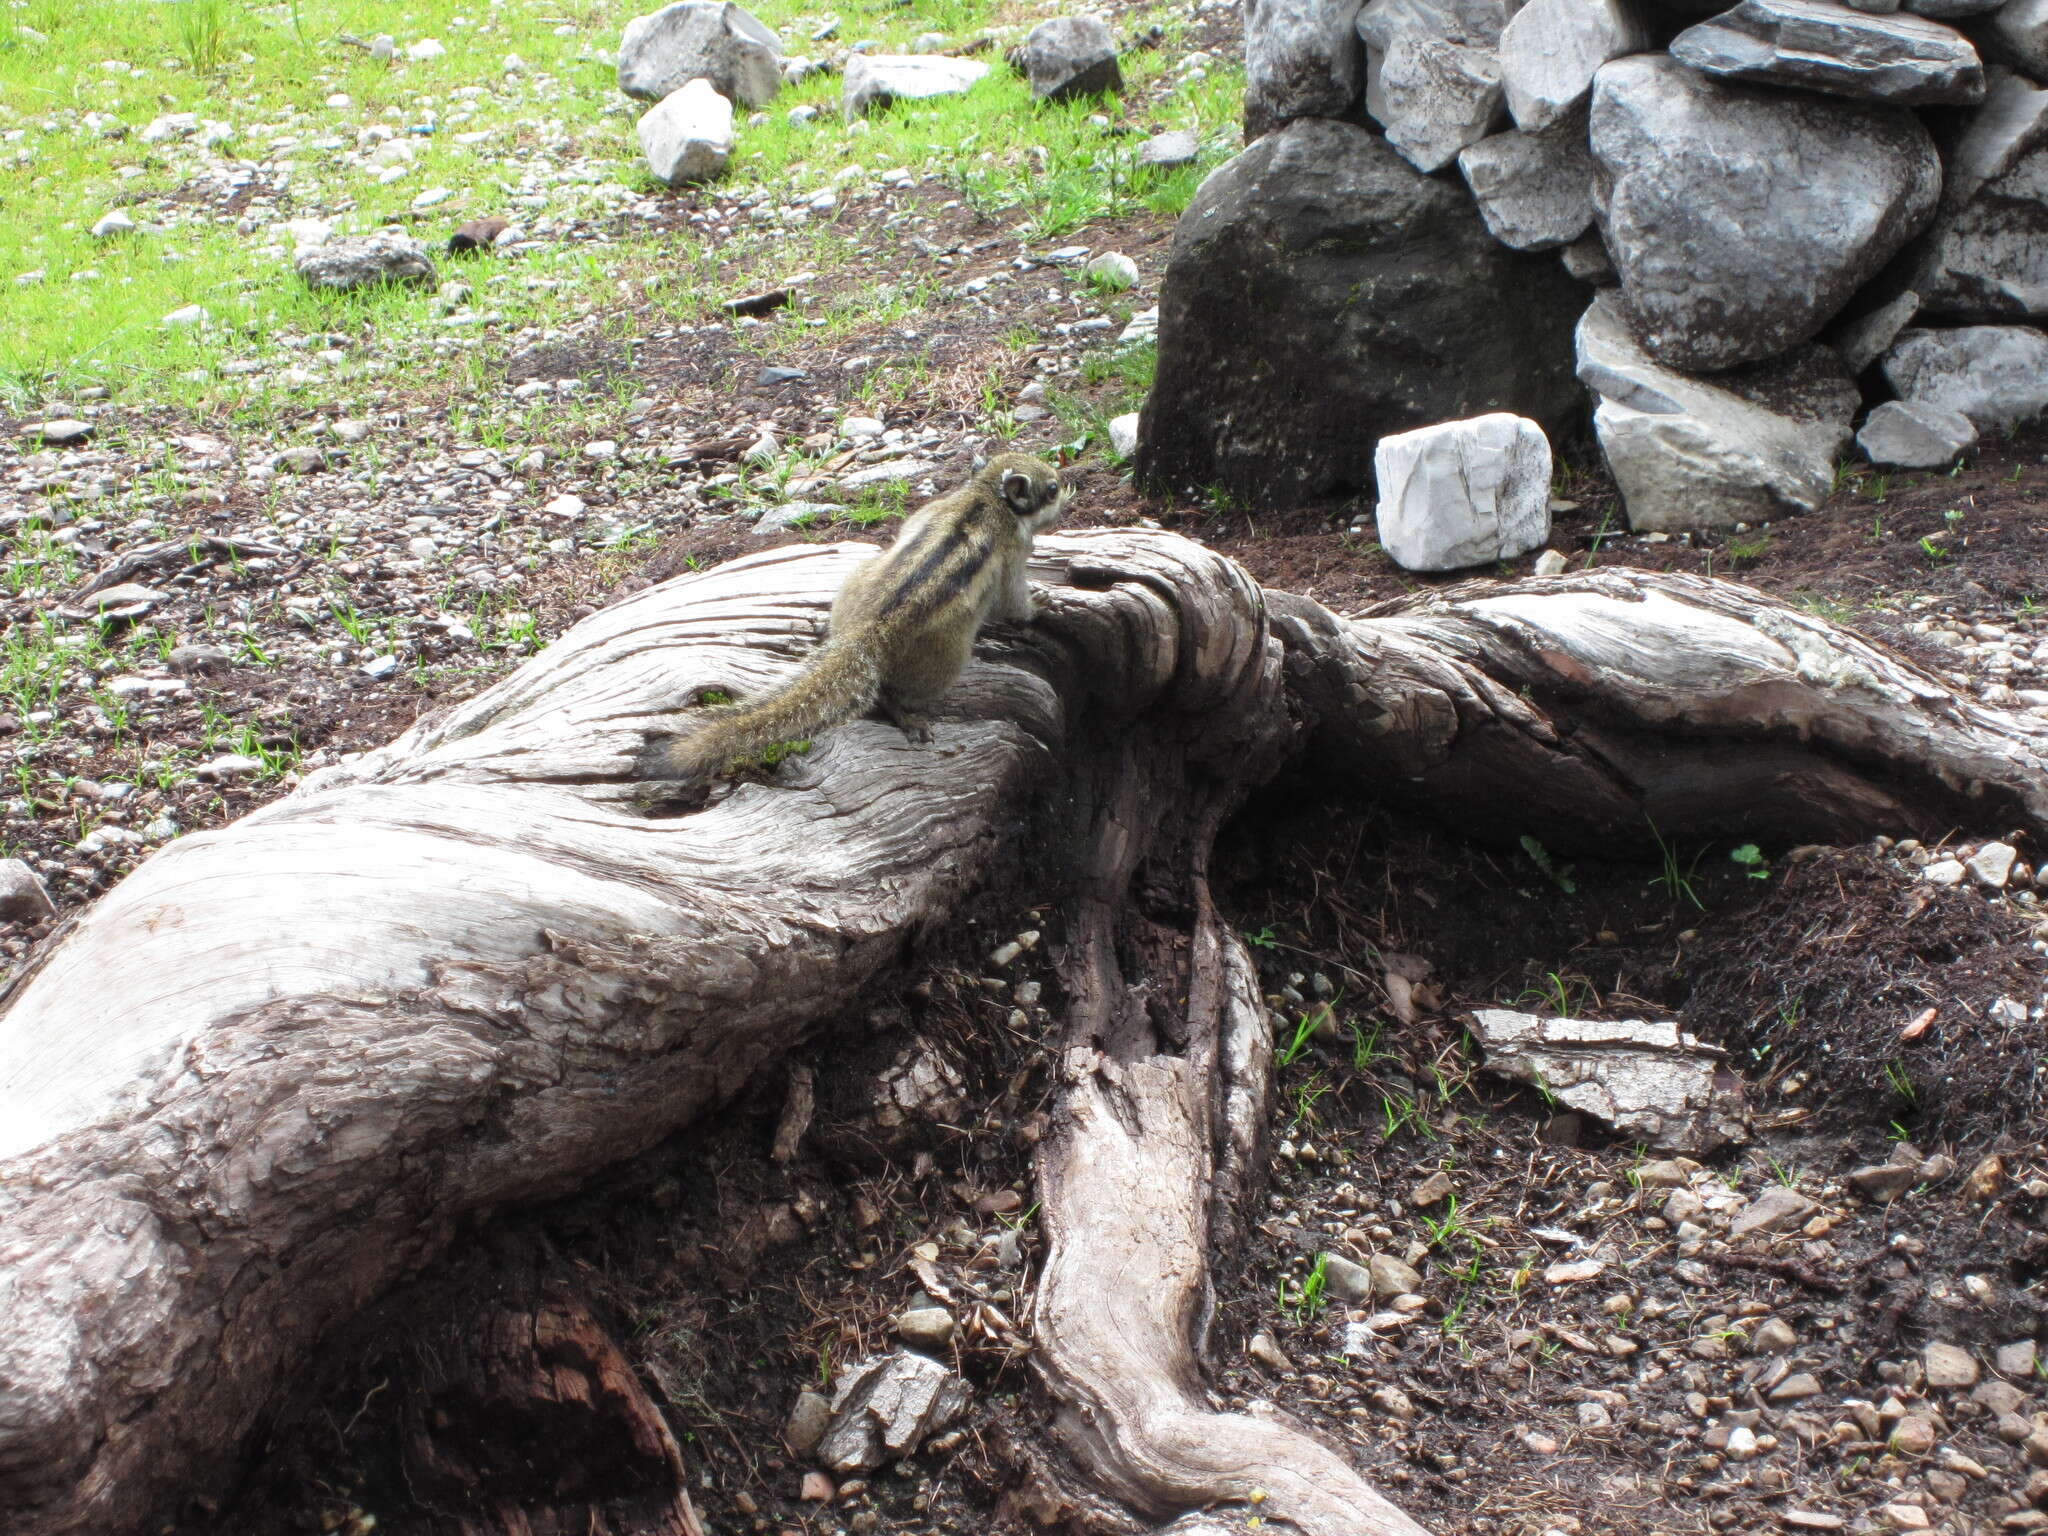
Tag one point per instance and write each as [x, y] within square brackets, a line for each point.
[23, 896]
[186, 316]
[1345, 1280]
[566, 505]
[1948, 1367]
[60, 431]
[1992, 864]
[1775, 1210]
[1269, 1354]
[603, 450]
[930, 1327]
[2017, 1359]
[807, 1422]
[1944, 872]
[1392, 1277]
[232, 765]
[1431, 1190]
[116, 222]
[1796, 1388]
[1573, 1271]
[1773, 1336]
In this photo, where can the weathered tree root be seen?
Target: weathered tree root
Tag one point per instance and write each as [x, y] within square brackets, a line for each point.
[271, 1072]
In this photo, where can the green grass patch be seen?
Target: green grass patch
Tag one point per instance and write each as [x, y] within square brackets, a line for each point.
[520, 118]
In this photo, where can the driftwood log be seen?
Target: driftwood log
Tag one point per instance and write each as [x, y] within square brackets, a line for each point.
[274, 1070]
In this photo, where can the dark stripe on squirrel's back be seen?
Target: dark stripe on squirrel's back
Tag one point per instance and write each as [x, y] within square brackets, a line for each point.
[929, 582]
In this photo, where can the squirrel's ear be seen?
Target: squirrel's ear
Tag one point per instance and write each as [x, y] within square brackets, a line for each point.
[1019, 492]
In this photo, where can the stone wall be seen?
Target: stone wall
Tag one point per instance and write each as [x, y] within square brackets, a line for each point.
[1728, 234]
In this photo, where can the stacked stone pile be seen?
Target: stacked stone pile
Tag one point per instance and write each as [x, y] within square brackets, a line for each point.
[1797, 215]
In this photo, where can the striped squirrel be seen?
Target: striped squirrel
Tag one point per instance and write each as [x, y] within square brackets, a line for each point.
[903, 624]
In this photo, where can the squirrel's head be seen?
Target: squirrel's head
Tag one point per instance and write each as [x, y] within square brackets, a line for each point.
[1029, 487]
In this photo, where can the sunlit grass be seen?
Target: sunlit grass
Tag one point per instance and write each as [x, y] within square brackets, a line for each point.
[524, 95]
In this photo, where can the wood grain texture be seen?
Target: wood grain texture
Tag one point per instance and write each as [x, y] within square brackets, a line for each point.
[279, 1066]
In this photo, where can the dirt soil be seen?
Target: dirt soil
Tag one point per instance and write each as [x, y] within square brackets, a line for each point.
[1581, 1341]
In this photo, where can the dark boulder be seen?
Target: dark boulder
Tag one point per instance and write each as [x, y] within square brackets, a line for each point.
[1322, 293]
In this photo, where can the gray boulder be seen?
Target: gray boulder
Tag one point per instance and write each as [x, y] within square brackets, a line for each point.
[713, 40]
[1320, 293]
[1741, 220]
[1437, 97]
[875, 80]
[1691, 454]
[1914, 435]
[1862, 341]
[1535, 190]
[1987, 256]
[363, 261]
[687, 135]
[2017, 34]
[1301, 59]
[1463, 492]
[1997, 375]
[1070, 56]
[1381, 24]
[1552, 49]
[1822, 46]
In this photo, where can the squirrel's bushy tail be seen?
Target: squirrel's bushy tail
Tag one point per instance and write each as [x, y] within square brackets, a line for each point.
[843, 679]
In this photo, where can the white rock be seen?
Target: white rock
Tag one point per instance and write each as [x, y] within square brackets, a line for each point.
[859, 427]
[1115, 268]
[662, 52]
[1551, 50]
[565, 505]
[309, 232]
[1914, 435]
[1174, 147]
[1123, 434]
[1463, 492]
[187, 316]
[1992, 865]
[688, 135]
[1698, 453]
[1997, 375]
[893, 472]
[1550, 563]
[117, 222]
[1944, 872]
[1534, 190]
[1438, 97]
[423, 50]
[873, 80]
[1643, 1078]
[172, 125]
[602, 450]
